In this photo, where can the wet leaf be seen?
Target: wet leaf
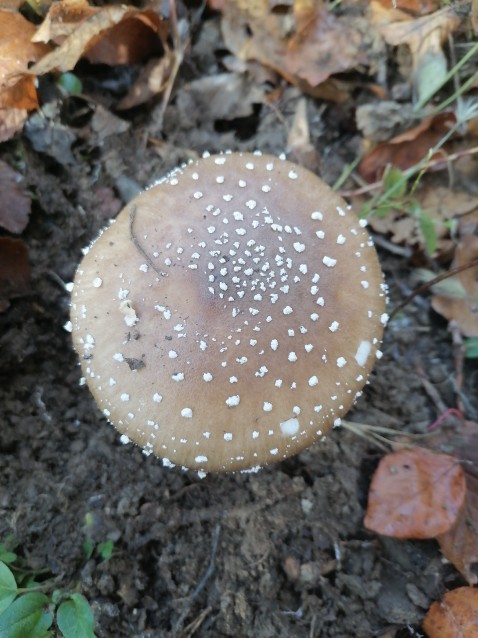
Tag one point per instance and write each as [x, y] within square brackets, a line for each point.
[14, 270]
[15, 206]
[415, 493]
[455, 616]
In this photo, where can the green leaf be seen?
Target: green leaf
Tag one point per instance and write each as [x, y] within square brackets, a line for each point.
[471, 348]
[75, 618]
[88, 548]
[6, 556]
[27, 617]
[395, 183]
[105, 549]
[70, 83]
[8, 587]
[429, 232]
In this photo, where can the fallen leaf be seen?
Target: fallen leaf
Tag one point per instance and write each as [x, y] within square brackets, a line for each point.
[15, 206]
[152, 81]
[455, 616]
[14, 270]
[11, 121]
[407, 149]
[412, 7]
[299, 142]
[116, 34]
[308, 44]
[425, 36]
[48, 135]
[17, 89]
[17, 83]
[224, 96]
[460, 543]
[463, 309]
[415, 493]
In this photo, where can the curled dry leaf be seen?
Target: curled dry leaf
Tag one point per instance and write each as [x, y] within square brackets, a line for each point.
[463, 309]
[116, 34]
[15, 206]
[455, 616]
[415, 493]
[14, 270]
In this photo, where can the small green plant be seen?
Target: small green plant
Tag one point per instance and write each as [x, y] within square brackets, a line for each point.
[37, 609]
[103, 549]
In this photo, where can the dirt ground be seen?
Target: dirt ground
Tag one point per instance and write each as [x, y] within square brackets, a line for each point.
[279, 554]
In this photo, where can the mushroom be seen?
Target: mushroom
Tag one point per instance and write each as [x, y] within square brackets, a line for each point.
[231, 314]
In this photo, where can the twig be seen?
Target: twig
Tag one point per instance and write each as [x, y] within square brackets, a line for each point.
[429, 284]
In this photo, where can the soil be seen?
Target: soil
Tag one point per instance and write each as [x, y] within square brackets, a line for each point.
[278, 554]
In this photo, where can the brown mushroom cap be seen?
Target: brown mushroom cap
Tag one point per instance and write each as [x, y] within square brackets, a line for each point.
[230, 315]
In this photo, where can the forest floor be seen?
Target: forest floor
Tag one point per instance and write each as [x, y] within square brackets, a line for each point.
[279, 554]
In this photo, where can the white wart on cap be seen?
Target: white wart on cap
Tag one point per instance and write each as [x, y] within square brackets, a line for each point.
[230, 315]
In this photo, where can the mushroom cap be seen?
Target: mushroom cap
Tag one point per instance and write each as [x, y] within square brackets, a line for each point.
[231, 314]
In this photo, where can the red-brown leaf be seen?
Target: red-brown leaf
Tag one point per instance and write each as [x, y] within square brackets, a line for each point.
[456, 616]
[415, 493]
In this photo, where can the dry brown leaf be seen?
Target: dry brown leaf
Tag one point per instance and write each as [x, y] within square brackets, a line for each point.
[14, 270]
[151, 81]
[407, 149]
[412, 7]
[11, 121]
[455, 616]
[299, 139]
[463, 309]
[415, 493]
[460, 544]
[15, 206]
[116, 34]
[306, 45]
[17, 83]
[425, 36]
[62, 19]
[422, 34]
